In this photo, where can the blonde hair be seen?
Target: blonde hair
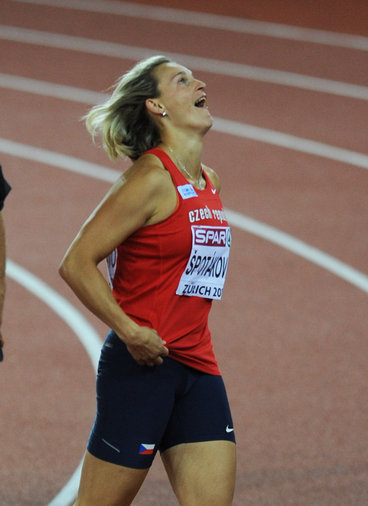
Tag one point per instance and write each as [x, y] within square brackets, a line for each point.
[123, 121]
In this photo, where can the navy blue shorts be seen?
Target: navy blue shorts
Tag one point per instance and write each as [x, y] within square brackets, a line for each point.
[143, 409]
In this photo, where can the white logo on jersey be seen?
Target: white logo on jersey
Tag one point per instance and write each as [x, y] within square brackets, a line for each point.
[187, 191]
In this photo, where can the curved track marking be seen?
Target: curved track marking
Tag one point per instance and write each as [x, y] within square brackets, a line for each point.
[67, 312]
[214, 21]
[69, 492]
[86, 334]
[117, 50]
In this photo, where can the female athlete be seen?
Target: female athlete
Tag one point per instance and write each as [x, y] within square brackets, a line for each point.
[164, 234]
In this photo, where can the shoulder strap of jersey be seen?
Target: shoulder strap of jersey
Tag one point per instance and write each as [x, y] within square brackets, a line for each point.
[175, 173]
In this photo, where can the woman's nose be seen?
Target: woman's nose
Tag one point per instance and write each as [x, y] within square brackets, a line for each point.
[200, 84]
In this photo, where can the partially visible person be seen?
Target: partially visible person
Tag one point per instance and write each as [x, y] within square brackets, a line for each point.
[4, 190]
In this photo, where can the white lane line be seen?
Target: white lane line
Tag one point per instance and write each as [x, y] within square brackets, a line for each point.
[215, 21]
[86, 334]
[226, 127]
[114, 49]
[48, 89]
[58, 160]
[291, 142]
[69, 492]
[271, 234]
[300, 248]
[80, 326]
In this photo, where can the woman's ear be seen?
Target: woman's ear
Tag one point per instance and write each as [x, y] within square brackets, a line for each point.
[154, 107]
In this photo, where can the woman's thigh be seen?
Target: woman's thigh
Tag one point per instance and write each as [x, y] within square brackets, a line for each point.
[198, 449]
[202, 474]
[103, 483]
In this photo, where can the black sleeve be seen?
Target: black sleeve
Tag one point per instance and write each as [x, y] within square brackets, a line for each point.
[4, 189]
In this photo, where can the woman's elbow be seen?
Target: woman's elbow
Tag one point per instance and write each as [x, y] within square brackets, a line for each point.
[67, 268]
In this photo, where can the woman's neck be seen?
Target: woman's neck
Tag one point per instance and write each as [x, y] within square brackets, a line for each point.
[187, 152]
[187, 159]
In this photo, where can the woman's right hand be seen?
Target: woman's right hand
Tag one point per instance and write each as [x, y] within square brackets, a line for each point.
[146, 347]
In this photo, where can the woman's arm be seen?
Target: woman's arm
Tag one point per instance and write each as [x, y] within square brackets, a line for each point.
[143, 197]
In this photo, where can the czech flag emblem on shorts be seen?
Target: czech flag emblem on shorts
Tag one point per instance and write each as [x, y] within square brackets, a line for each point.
[146, 449]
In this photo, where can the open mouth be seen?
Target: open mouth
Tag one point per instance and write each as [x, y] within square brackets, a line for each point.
[201, 102]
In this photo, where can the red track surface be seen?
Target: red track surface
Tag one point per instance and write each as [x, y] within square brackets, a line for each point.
[291, 337]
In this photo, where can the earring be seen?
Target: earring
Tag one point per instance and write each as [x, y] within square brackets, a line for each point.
[163, 114]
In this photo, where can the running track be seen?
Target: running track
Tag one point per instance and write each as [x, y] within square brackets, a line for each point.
[288, 87]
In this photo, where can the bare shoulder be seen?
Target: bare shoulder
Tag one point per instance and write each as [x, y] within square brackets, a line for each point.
[145, 181]
[212, 174]
[146, 189]
[149, 172]
[141, 196]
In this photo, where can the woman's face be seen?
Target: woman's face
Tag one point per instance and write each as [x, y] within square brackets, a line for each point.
[183, 97]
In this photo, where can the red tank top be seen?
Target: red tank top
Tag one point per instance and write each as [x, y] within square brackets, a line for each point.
[164, 276]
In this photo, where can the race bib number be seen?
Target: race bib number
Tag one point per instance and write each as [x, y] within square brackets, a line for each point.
[205, 272]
